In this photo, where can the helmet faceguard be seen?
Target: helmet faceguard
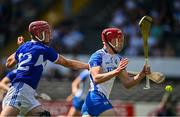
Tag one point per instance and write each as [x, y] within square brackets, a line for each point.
[112, 34]
[40, 30]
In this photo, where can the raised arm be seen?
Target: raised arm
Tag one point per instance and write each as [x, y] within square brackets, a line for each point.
[11, 61]
[74, 64]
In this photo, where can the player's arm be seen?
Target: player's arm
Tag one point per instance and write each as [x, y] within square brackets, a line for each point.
[129, 82]
[75, 87]
[11, 61]
[4, 83]
[69, 98]
[100, 77]
[166, 97]
[131, 74]
[74, 64]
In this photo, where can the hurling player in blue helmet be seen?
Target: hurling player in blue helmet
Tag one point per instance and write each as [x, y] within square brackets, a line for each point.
[31, 58]
[105, 66]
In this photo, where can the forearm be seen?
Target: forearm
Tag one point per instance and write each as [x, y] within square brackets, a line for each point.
[70, 97]
[4, 87]
[103, 77]
[132, 73]
[74, 89]
[74, 64]
[135, 80]
[11, 61]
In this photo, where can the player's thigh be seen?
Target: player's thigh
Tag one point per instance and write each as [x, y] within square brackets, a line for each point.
[35, 111]
[109, 112]
[9, 111]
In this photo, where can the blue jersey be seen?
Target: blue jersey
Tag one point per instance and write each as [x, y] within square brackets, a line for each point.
[11, 75]
[31, 58]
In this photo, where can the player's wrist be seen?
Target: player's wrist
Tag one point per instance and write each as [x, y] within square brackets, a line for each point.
[142, 75]
[117, 71]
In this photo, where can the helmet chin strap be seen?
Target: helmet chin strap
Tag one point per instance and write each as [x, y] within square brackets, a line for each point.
[43, 37]
[111, 45]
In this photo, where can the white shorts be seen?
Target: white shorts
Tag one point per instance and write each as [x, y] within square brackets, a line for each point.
[22, 97]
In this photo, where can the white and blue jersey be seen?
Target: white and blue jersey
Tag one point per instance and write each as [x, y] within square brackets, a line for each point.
[31, 58]
[97, 99]
[83, 89]
[108, 63]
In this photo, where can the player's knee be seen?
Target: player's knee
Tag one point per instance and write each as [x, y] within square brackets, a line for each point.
[45, 114]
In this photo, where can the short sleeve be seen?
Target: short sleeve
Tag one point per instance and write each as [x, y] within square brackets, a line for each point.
[95, 60]
[16, 54]
[84, 74]
[11, 75]
[51, 54]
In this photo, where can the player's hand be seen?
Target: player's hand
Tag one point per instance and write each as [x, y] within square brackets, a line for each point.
[69, 98]
[20, 40]
[122, 65]
[146, 70]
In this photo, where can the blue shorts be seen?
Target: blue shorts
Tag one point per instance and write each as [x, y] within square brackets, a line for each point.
[95, 103]
[77, 103]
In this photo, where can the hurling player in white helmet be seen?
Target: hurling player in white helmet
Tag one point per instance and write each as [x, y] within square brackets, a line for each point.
[105, 65]
[31, 58]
